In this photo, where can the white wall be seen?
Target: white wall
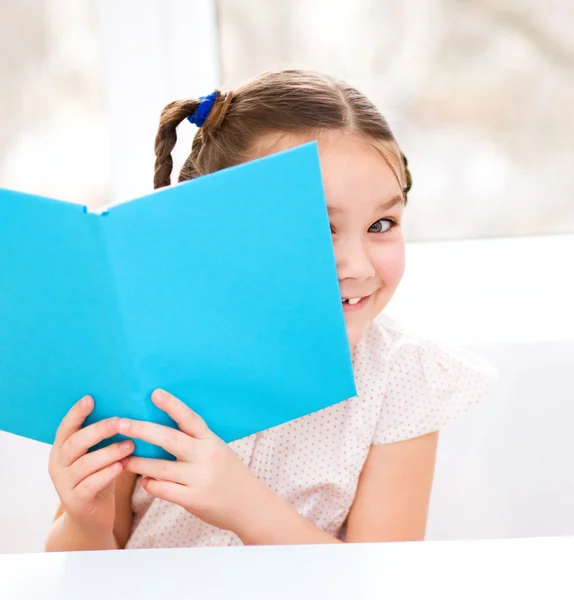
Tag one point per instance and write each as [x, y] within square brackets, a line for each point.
[507, 469]
[27, 499]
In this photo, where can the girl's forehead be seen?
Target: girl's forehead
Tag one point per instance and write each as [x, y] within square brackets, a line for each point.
[330, 141]
[277, 141]
[352, 167]
[356, 173]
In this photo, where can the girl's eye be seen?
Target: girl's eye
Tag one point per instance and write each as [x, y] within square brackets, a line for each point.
[381, 226]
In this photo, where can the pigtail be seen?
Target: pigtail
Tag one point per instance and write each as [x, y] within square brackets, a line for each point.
[171, 116]
[217, 114]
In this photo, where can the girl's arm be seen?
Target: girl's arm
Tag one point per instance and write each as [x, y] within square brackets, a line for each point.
[394, 490]
[66, 536]
[391, 503]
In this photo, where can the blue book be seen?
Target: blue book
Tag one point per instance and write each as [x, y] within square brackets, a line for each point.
[222, 290]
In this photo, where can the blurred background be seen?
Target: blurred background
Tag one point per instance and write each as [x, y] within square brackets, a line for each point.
[479, 94]
[54, 138]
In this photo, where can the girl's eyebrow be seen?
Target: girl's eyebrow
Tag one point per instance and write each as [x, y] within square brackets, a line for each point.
[398, 199]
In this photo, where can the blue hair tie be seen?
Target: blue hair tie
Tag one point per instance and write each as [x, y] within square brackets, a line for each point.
[202, 111]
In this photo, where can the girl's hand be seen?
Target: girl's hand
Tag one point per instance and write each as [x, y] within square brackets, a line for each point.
[207, 479]
[85, 481]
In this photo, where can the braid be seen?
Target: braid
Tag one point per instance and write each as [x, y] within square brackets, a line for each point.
[408, 177]
[171, 116]
[217, 114]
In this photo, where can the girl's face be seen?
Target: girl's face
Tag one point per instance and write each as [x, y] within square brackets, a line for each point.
[365, 205]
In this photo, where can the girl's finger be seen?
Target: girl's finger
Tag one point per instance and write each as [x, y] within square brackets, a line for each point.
[166, 490]
[166, 470]
[80, 442]
[73, 420]
[188, 421]
[90, 463]
[89, 487]
[173, 441]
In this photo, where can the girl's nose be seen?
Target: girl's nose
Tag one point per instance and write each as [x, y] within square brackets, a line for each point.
[353, 261]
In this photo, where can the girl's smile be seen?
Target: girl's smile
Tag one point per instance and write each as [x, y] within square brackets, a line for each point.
[356, 303]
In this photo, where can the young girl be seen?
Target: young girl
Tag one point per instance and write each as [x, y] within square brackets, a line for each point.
[358, 471]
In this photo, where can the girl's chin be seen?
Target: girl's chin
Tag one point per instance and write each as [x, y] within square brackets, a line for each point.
[355, 333]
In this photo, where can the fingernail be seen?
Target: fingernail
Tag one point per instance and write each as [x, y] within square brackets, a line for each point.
[124, 424]
[125, 445]
[116, 467]
[160, 396]
[112, 424]
[86, 402]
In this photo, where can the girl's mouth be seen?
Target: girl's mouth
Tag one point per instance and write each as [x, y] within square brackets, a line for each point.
[353, 304]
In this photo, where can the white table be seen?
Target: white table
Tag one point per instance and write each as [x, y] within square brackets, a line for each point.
[491, 570]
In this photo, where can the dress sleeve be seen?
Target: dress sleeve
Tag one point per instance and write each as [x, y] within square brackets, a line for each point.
[428, 387]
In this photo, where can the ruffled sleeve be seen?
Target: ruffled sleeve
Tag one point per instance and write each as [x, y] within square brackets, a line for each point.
[428, 386]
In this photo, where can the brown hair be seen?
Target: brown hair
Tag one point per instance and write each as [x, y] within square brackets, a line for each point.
[285, 102]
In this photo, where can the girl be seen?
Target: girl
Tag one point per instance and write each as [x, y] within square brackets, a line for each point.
[358, 471]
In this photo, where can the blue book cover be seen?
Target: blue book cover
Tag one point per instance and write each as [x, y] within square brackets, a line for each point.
[222, 290]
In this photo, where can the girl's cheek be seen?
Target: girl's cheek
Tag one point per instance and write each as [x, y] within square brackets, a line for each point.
[390, 263]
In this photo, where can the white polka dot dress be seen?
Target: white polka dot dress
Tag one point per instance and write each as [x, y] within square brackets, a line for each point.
[406, 387]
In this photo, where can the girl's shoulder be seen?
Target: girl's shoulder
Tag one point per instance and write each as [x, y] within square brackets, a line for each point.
[421, 384]
[388, 346]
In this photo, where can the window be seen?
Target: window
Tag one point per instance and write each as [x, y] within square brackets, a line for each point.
[479, 95]
[54, 137]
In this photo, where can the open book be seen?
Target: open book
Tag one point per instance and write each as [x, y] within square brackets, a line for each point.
[222, 290]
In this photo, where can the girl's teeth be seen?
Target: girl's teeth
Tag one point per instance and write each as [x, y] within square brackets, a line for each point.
[354, 300]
